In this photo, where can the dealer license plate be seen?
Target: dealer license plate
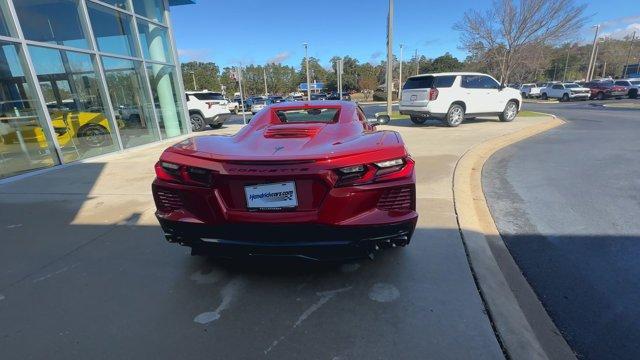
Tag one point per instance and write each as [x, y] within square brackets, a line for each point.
[272, 196]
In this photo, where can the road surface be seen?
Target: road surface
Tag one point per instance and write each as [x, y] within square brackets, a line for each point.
[567, 203]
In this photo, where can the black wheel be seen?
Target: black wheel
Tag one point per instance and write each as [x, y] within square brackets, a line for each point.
[197, 122]
[544, 96]
[510, 112]
[633, 94]
[94, 136]
[418, 120]
[216, 126]
[384, 119]
[455, 115]
[565, 97]
[524, 95]
[600, 96]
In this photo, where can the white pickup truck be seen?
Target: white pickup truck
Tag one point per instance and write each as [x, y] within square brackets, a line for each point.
[529, 91]
[207, 108]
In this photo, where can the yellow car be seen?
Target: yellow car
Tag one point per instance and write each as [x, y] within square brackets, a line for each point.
[84, 130]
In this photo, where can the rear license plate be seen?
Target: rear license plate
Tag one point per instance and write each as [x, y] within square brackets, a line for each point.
[272, 196]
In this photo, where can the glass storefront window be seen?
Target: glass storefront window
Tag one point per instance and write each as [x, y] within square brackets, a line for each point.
[23, 143]
[151, 9]
[167, 100]
[5, 29]
[122, 4]
[112, 30]
[129, 97]
[72, 95]
[52, 21]
[154, 42]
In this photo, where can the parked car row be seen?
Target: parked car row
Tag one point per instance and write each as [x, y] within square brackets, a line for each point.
[567, 91]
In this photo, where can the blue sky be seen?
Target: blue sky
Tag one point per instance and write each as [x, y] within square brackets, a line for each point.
[257, 32]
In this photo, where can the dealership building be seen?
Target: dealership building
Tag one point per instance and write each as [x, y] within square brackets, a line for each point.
[83, 78]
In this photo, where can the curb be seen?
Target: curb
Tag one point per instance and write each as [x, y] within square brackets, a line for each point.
[521, 323]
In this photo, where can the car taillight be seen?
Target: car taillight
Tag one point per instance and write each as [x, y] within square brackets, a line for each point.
[183, 174]
[376, 172]
[433, 93]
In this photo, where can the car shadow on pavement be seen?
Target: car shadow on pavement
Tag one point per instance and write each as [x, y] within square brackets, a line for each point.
[435, 123]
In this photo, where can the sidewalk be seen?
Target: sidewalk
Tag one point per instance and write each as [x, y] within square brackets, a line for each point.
[85, 273]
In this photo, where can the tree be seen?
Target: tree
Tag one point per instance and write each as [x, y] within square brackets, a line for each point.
[207, 75]
[503, 32]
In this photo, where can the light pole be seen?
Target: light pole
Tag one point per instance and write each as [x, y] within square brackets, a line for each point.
[306, 56]
[595, 58]
[339, 65]
[626, 64]
[400, 76]
[566, 64]
[390, 58]
[244, 116]
[593, 51]
[193, 76]
[264, 74]
[417, 62]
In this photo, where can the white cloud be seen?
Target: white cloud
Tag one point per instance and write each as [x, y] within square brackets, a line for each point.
[279, 57]
[194, 54]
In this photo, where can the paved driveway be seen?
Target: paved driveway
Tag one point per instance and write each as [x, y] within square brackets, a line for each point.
[567, 203]
[85, 273]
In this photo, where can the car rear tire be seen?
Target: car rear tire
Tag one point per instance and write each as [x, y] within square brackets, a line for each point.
[455, 115]
[510, 112]
[418, 120]
[600, 96]
[197, 122]
[544, 96]
[94, 136]
[565, 97]
[633, 94]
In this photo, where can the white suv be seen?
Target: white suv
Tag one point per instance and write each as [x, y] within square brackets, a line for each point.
[207, 108]
[452, 97]
[565, 92]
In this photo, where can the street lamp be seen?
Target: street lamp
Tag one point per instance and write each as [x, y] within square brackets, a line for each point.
[193, 76]
[593, 50]
[306, 56]
[400, 76]
[390, 58]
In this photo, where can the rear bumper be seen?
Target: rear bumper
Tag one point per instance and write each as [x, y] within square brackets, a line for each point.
[309, 241]
[217, 119]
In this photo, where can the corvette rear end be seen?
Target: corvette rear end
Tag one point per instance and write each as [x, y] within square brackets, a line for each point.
[309, 180]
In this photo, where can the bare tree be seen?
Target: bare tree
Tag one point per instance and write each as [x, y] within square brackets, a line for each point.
[503, 33]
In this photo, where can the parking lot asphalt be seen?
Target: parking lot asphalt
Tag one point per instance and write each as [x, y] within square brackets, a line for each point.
[567, 204]
[85, 273]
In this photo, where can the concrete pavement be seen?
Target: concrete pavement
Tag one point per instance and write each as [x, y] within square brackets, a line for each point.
[85, 273]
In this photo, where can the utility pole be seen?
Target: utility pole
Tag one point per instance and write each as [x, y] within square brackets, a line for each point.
[390, 58]
[306, 56]
[417, 62]
[193, 76]
[400, 75]
[566, 64]
[339, 65]
[555, 69]
[593, 50]
[595, 60]
[604, 69]
[244, 116]
[626, 64]
[264, 75]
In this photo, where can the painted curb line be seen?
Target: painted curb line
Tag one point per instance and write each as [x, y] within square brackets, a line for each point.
[522, 325]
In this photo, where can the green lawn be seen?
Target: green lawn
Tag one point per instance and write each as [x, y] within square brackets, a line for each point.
[525, 113]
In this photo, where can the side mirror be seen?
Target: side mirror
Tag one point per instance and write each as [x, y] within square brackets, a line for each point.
[380, 119]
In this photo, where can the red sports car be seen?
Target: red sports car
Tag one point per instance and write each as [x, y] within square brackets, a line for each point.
[312, 180]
